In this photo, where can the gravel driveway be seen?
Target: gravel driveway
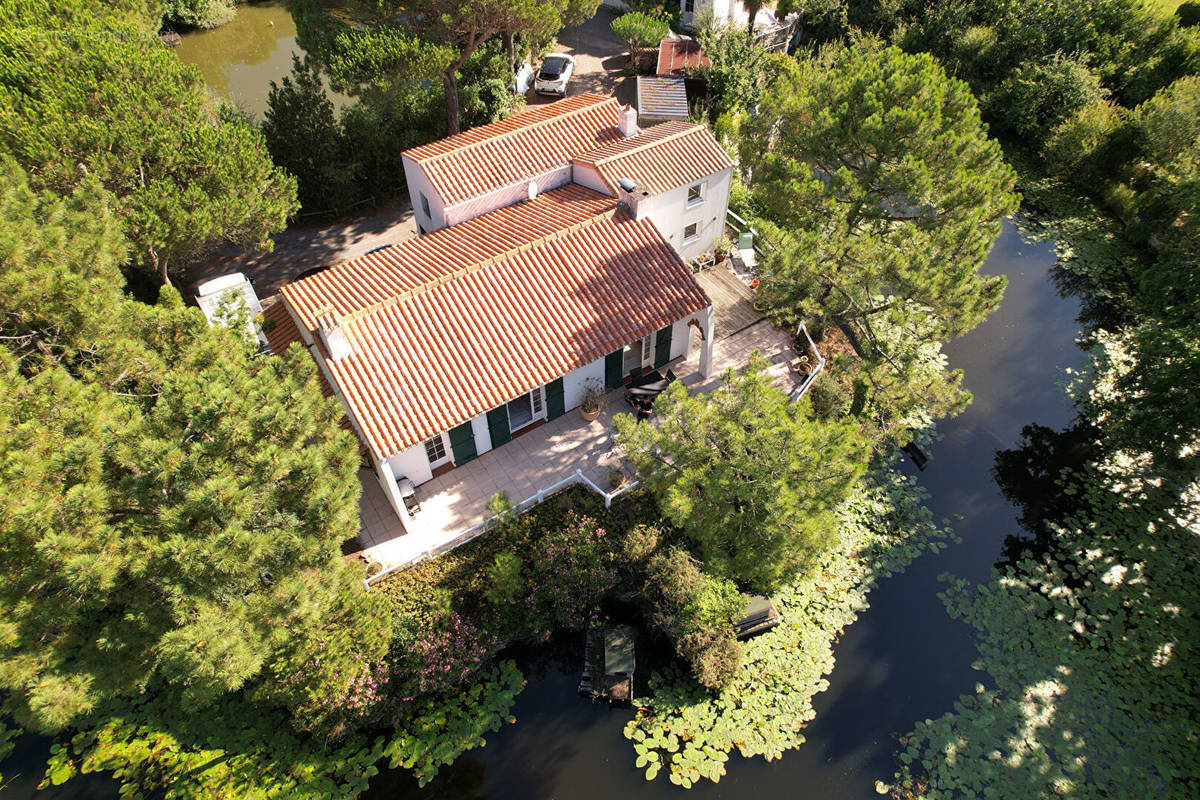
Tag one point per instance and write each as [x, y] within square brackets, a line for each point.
[600, 60]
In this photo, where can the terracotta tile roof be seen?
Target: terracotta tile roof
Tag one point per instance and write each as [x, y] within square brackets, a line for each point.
[517, 149]
[521, 313]
[662, 96]
[280, 330]
[660, 158]
[278, 325]
[356, 285]
[680, 57]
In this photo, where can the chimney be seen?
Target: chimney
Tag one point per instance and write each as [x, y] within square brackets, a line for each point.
[627, 121]
[631, 196]
[329, 328]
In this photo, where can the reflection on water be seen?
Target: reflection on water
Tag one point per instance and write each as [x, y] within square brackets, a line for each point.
[240, 59]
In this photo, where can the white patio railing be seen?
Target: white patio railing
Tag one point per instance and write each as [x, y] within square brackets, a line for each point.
[528, 504]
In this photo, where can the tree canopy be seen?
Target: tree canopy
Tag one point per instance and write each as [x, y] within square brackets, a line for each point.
[362, 44]
[187, 173]
[174, 503]
[749, 477]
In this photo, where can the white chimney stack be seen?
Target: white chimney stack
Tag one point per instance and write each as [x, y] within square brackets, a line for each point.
[329, 327]
[627, 121]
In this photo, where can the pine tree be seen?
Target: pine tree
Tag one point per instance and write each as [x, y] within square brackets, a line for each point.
[749, 477]
[113, 103]
[173, 502]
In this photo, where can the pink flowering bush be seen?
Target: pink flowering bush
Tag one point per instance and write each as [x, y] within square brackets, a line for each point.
[572, 567]
[446, 656]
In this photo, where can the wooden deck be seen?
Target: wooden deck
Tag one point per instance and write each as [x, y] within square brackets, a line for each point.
[733, 301]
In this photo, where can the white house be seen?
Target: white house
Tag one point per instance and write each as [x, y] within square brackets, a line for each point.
[537, 273]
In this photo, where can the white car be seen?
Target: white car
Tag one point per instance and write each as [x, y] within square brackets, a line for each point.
[554, 75]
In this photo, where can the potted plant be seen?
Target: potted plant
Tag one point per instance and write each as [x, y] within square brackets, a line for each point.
[722, 247]
[592, 400]
[616, 477]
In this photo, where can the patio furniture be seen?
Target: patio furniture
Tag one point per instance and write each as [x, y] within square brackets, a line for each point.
[745, 251]
[703, 260]
[408, 493]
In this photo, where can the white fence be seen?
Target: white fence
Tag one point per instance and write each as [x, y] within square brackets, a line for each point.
[528, 504]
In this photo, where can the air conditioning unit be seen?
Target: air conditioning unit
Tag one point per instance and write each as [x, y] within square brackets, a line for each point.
[223, 298]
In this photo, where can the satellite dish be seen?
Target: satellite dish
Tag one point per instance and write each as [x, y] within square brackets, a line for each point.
[626, 184]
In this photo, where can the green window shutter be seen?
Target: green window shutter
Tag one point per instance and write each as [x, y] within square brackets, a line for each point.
[462, 443]
[662, 347]
[554, 399]
[612, 369]
[498, 425]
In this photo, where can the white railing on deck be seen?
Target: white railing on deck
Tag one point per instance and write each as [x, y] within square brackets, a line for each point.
[812, 376]
[528, 504]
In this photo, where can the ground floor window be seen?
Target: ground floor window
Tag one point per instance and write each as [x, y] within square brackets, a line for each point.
[691, 232]
[435, 448]
[524, 410]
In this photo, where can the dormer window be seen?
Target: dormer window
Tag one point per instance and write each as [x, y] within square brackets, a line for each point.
[695, 194]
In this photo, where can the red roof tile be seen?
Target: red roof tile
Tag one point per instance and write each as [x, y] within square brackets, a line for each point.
[356, 285]
[660, 158]
[680, 56]
[517, 149]
[505, 314]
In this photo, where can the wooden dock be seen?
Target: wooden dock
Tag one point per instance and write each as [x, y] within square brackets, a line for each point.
[733, 301]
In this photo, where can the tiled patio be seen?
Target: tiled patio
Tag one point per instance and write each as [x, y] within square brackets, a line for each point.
[455, 501]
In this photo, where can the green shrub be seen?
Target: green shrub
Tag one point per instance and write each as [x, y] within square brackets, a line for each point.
[698, 611]
[505, 579]
[1076, 146]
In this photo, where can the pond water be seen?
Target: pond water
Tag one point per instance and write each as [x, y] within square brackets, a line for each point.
[904, 660]
[240, 59]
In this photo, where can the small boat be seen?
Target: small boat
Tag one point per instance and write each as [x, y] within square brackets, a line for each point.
[609, 665]
[759, 615]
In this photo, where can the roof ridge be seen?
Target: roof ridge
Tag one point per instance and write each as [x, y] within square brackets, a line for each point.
[691, 128]
[531, 126]
[476, 266]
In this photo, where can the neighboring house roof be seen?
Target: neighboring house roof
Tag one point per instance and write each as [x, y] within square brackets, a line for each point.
[510, 301]
[517, 149]
[662, 96]
[660, 158]
[680, 56]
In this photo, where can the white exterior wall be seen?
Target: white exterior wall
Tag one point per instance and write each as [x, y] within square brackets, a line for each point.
[730, 11]
[671, 214]
[517, 192]
[413, 464]
[418, 184]
[681, 339]
[575, 381]
[586, 176]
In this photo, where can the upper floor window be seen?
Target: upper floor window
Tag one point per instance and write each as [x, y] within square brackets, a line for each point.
[425, 206]
[691, 232]
[688, 6]
[695, 194]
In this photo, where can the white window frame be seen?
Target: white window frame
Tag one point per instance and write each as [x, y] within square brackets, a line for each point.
[694, 236]
[692, 202]
[435, 443]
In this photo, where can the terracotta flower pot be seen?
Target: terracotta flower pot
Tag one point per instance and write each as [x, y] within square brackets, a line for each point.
[589, 416]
